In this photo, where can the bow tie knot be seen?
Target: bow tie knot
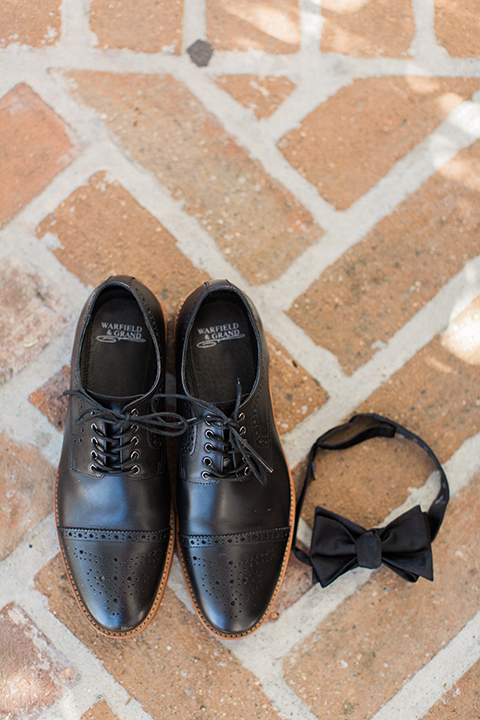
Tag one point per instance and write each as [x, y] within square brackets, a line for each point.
[369, 549]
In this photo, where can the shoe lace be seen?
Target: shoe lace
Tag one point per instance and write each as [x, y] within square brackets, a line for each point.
[237, 458]
[114, 444]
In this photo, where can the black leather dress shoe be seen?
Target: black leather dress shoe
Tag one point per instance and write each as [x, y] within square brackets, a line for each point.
[235, 498]
[112, 495]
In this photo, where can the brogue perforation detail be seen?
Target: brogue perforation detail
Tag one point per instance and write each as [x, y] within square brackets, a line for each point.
[92, 535]
[233, 584]
[119, 579]
[247, 538]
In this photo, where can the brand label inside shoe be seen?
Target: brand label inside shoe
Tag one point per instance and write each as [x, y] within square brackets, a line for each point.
[218, 333]
[118, 331]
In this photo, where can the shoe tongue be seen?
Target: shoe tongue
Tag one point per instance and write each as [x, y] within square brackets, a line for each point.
[118, 404]
[226, 407]
[229, 406]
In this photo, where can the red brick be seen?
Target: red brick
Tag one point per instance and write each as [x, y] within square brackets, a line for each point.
[141, 25]
[29, 317]
[434, 396]
[457, 26]
[256, 222]
[46, 398]
[368, 28]
[296, 582]
[272, 26]
[295, 393]
[351, 141]
[263, 95]
[33, 673]
[36, 24]
[26, 483]
[100, 711]
[174, 668]
[103, 231]
[34, 148]
[462, 701]
[365, 297]
[391, 628]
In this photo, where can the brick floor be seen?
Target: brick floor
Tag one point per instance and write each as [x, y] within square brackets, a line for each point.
[26, 481]
[456, 27]
[98, 241]
[100, 711]
[325, 159]
[463, 700]
[244, 25]
[47, 397]
[33, 673]
[173, 668]
[34, 147]
[258, 224]
[344, 147]
[432, 395]
[29, 317]
[146, 26]
[36, 24]
[351, 648]
[263, 95]
[366, 296]
[368, 29]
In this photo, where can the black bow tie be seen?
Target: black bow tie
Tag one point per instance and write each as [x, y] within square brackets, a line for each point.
[339, 545]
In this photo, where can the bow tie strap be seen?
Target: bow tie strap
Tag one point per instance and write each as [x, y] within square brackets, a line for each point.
[338, 545]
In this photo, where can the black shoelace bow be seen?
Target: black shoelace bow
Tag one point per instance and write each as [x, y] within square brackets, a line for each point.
[338, 545]
[114, 451]
[237, 458]
[114, 445]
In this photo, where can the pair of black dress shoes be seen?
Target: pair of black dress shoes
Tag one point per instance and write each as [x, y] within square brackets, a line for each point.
[234, 496]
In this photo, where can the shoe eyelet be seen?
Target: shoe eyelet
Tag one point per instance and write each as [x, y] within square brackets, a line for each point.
[135, 455]
[93, 455]
[95, 470]
[135, 440]
[243, 431]
[209, 434]
[241, 417]
[208, 447]
[135, 470]
[94, 427]
[206, 475]
[134, 412]
[207, 461]
[134, 428]
[246, 471]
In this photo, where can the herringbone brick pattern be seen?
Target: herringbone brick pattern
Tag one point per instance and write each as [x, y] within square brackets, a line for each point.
[326, 160]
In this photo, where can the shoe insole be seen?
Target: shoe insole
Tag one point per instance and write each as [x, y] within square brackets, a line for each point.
[222, 348]
[118, 356]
